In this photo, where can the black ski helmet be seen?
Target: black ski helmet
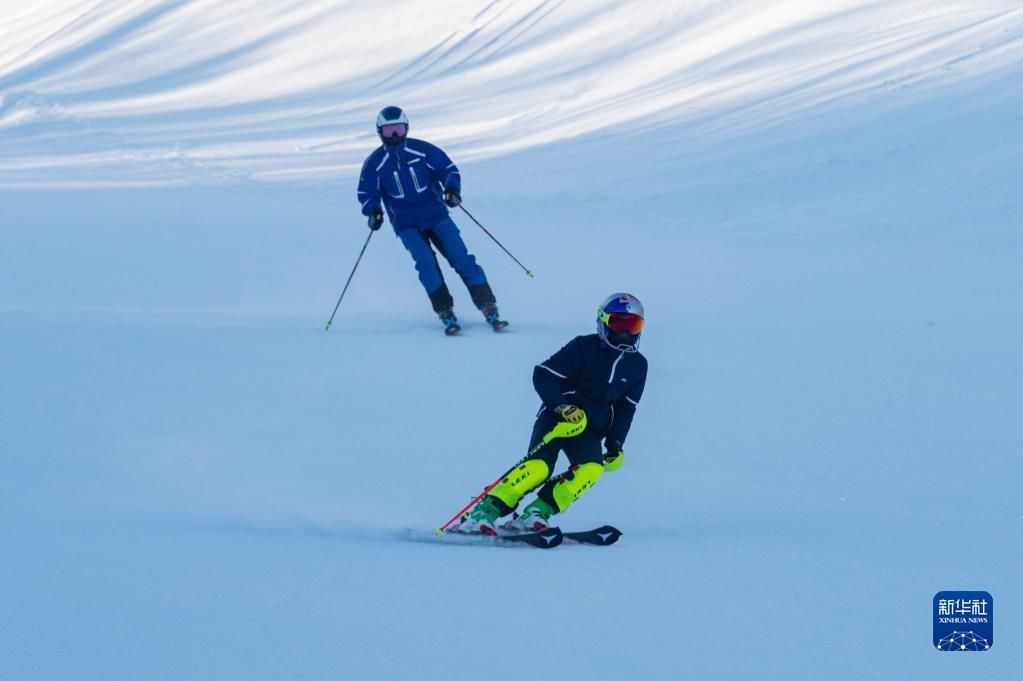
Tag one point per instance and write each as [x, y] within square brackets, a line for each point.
[392, 125]
[620, 321]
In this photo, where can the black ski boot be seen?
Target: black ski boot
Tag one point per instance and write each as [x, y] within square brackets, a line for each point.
[447, 317]
[493, 318]
[484, 299]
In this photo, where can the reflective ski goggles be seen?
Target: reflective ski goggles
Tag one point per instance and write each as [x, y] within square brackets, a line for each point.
[392, 129]
[622, 321]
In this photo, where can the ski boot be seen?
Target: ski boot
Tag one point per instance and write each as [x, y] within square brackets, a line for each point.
[483, 518]
[533, 518]
[492, 317]
[447, 317]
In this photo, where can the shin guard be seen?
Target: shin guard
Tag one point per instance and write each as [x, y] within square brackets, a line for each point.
[573, 484]
[526, 476]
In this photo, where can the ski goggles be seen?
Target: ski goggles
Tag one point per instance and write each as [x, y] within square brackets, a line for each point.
[622, 321]
[392, 129]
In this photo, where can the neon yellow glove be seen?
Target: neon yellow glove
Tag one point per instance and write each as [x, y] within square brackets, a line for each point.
[570, 413]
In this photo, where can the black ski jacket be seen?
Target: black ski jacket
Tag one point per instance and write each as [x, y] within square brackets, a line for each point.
[606, 383]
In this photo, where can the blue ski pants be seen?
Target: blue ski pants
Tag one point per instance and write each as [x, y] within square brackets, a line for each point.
[444, 235]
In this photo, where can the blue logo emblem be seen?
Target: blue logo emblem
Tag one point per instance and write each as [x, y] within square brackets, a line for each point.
[963, 620]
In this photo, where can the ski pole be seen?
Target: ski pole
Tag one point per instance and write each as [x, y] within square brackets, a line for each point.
[485, 492]
[357, 260]
[487, 232]
[561, 429]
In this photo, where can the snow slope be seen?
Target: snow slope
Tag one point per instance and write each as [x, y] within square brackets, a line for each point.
[816, 202]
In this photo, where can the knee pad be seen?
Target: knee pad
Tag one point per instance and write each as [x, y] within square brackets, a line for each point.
[574, 484]
[566, 429]
[526, 476]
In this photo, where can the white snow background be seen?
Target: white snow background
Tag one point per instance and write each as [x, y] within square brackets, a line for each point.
[818, 202]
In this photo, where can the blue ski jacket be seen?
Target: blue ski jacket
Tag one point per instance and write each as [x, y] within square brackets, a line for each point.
[409, 178]
[605, 383]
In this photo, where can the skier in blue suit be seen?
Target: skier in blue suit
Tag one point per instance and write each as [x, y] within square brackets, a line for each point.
[416, 183]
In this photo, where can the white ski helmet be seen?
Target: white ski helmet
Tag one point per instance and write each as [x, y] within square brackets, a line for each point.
[392, 125]
[620, 321]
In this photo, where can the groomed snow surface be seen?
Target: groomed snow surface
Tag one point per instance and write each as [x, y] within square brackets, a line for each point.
[817, 202]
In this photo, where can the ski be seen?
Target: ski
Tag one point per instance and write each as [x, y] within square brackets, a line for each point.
[605, 535]
[451, 329]
[498, 325]
[545, 539]
[601, 536]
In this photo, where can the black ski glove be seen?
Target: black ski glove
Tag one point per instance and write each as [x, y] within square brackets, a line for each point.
[376, 219]
[452, 197]
[614, 456]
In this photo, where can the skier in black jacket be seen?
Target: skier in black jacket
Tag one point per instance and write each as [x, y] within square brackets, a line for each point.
[590, 389]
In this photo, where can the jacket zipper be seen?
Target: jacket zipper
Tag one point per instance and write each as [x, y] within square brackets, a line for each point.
[614, 366]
